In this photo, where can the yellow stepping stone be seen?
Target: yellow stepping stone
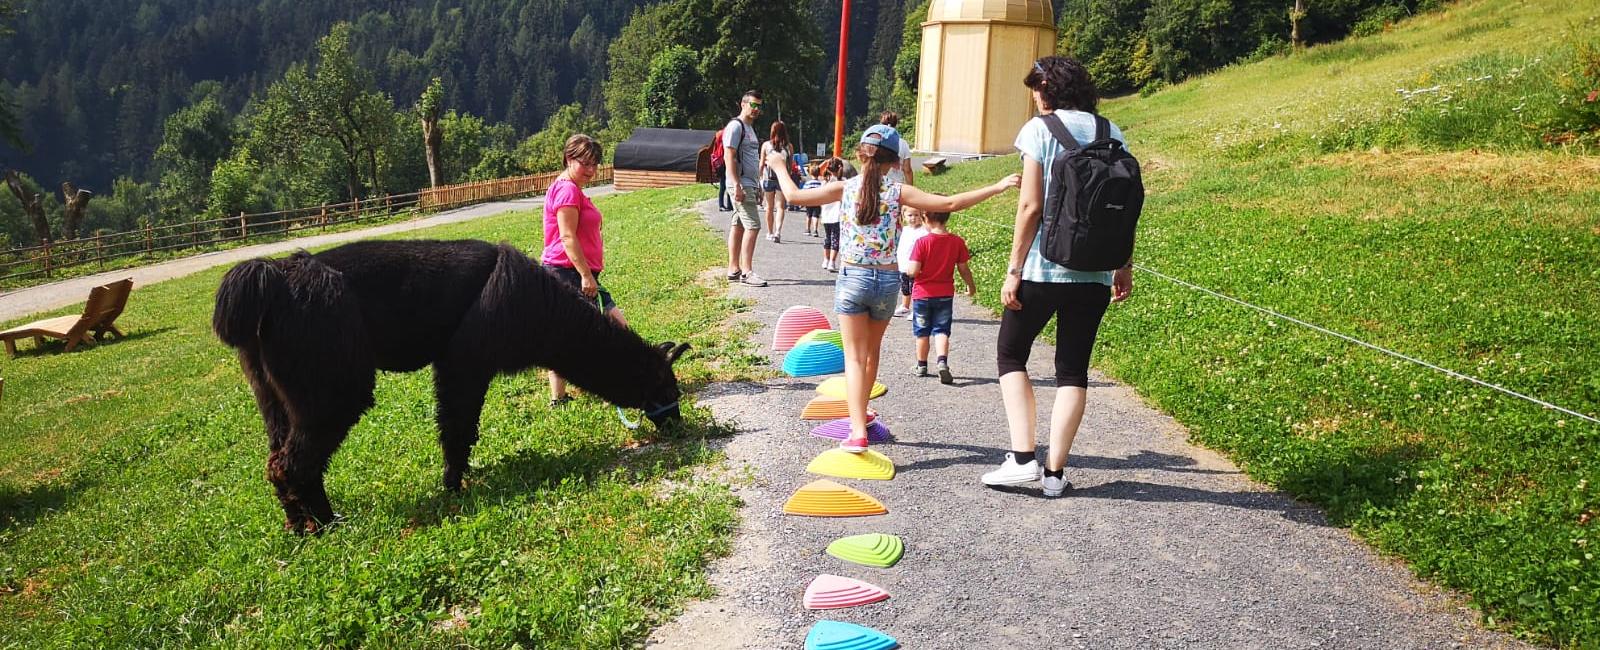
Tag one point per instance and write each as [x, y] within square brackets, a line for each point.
[867, 465]
[824, 498]
[834, 387]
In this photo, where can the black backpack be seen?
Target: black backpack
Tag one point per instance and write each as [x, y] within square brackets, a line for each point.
[1093, 202]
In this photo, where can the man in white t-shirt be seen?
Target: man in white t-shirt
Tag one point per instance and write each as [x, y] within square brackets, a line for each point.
[741, 151]
[902, 174]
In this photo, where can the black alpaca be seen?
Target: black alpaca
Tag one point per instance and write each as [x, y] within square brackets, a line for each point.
[313, 330]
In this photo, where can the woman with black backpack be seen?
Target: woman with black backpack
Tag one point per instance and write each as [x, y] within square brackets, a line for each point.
[1036, 288]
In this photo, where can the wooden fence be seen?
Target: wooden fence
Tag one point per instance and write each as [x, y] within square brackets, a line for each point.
[50, 257]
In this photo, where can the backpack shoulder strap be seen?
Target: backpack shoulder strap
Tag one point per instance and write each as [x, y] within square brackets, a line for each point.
[1102, 128]
[1059, 131]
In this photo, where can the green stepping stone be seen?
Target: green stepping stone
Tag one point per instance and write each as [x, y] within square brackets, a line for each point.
[872, 549]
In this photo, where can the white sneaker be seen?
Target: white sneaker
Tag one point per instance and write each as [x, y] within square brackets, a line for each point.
[1010, 473]
[901, 312]
[1053, 487]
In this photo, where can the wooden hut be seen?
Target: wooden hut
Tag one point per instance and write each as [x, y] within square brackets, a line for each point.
[970, 97]
[663, 158]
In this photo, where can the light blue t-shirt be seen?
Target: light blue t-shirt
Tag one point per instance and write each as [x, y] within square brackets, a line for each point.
[1036, 143]
[742, 139]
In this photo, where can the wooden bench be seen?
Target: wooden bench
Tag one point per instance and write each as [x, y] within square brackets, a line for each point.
[935, 166]
[98, 319]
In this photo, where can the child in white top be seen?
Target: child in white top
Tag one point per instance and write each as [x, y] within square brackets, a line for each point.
[831, 171]
[914, 229]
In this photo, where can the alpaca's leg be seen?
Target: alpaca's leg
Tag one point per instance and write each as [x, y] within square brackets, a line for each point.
[460, 391]
[306, 423]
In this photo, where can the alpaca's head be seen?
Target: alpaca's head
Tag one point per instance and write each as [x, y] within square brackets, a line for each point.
[661, 401]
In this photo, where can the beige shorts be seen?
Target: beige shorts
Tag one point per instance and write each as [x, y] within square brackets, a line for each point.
[747, 213]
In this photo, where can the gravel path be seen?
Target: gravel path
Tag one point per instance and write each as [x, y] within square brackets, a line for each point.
[44, 297]
[1161, 544]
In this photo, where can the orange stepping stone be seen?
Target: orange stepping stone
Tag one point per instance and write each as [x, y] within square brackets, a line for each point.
[830, 408]
[824, 498]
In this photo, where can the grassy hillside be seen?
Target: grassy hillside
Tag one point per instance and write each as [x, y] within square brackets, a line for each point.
[1457, 228]
[134, 512]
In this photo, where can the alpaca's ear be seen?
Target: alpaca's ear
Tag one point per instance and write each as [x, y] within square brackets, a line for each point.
[665, 347]
[677, 352]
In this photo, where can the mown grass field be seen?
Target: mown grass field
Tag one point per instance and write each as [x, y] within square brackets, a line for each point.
[134, 512]
[1447, 236]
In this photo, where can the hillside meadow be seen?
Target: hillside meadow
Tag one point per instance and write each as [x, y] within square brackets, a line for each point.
[136, 513]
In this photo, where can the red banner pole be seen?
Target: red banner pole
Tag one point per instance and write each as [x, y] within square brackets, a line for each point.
[838, 100]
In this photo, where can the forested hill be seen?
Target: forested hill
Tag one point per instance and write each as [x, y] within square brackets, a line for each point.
[93, 80]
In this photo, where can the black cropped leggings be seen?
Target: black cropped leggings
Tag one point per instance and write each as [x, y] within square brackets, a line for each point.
[1079, 307]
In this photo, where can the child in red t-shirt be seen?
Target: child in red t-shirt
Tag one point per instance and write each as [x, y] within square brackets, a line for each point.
[934, 259]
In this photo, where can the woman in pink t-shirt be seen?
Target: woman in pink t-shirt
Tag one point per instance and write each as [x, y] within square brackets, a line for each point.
[572, 247]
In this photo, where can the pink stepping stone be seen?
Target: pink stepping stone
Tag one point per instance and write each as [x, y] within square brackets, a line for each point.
[829, 591]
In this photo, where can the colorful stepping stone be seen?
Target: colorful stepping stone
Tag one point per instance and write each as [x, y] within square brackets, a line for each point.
[837, 635]
[829, 591]
[811, 359]
[828, 336]
[839, 429]
[794, 323]
[868, 465]
[872, 549]
[834, 387]
[824, 498]
[830, 408]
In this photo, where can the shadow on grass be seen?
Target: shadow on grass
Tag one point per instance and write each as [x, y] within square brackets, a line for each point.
[530, 470]
[54, 346]
[1352, 481]
[22, 508]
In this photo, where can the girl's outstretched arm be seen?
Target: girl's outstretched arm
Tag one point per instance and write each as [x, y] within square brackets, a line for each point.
[828, 193]
[930, 202]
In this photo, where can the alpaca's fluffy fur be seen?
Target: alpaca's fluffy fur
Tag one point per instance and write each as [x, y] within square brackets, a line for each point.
[312, 331]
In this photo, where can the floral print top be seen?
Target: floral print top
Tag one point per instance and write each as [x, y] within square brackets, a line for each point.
[874, 244]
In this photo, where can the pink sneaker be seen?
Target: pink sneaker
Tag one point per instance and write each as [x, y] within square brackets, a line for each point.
[854, 445]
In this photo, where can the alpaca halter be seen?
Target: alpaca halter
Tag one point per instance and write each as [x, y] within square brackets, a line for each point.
[633, 425]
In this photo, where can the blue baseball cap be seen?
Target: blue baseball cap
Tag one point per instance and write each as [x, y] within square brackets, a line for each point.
[882, 135]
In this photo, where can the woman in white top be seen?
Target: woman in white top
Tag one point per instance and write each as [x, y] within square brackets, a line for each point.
[777, 142]
[1037, 289]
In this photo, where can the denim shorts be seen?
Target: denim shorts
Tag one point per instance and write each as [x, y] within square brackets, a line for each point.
[931, 316]
[571, 276]
[861, 290]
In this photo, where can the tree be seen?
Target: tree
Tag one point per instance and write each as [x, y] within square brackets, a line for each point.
[76, 201]
[10, 126]
[32, 201]
[648, 32]
[669, 92]
[541, 152]
[758, 44]
[235, 186]
[333, 100]
[193, 140]
[430, 108]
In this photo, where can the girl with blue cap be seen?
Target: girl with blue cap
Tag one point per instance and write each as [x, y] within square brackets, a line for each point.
[868, 287]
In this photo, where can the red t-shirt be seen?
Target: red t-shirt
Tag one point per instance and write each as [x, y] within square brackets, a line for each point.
[939, 253]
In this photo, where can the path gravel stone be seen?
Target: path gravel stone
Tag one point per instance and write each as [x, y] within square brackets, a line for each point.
[1161, 544]
[44, 297]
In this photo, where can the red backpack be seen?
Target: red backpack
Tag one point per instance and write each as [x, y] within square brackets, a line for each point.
[718, 164]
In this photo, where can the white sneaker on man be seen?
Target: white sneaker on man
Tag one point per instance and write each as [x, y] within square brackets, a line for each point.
[1053, 487]
[1010, 473]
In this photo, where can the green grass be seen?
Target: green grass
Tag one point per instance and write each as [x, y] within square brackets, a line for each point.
[135, 512]
[1480, 261]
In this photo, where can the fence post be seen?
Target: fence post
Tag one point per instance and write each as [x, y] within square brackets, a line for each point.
[99, 254]
[244, 226]
[46, 243]
[149, 234]
[358, 208]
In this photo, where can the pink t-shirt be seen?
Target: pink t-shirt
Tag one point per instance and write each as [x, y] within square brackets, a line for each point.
[564, 193]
